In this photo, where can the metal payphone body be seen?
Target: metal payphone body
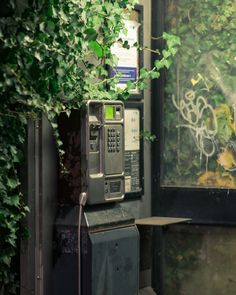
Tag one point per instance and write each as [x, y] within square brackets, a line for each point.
[102, 142]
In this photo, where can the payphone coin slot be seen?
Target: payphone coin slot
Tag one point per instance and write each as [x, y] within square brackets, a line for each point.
[115, 186]
[118, 113]
[114, 189]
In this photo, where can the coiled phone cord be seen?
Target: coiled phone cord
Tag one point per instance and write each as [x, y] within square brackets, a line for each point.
[82, 202]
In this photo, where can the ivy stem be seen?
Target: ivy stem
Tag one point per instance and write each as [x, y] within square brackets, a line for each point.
[151, 50]
[105, 80]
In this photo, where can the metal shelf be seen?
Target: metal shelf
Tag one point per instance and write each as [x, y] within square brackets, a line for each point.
[161, 221]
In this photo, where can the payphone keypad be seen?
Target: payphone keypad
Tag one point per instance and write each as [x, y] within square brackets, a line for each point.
[113, 144]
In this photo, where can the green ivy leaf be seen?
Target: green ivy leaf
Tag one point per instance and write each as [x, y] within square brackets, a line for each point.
[144, 73]
[108, 6]
[6, 260]
[50, 27]
[12, 183]
[166, 53]
[38, 56]
[131, 85]
[126, 44]
[143, 85]
[11, 240]
[91, 34]
[155, 75]
[96, 48]
[167, 63]
[13, 200]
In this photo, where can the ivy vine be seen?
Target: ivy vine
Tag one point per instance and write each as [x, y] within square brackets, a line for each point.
[54, 55]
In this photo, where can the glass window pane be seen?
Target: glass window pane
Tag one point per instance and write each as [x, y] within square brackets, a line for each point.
[199, 146]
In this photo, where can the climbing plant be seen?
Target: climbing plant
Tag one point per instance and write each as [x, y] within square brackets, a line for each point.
[54, 55]
[200, 106]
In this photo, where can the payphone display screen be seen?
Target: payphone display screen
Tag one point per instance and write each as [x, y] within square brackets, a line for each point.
[109, 112]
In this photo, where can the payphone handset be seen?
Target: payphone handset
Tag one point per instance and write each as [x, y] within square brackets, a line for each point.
[102, 139]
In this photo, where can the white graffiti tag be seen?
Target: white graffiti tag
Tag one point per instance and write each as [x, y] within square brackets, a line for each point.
[200, 120]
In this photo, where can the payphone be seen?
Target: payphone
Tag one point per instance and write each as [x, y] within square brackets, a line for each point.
[102, 139]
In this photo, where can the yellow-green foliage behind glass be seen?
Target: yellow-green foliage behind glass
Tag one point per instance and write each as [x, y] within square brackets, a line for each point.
[200, 96]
